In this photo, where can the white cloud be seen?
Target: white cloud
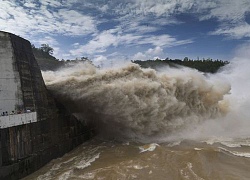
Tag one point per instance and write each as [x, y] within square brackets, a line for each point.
[137, 22]
[151, 53]
[46, 40]
[76, 45]
[227, 10]
[232, 16]
[164, 40]
[102, 41]
[97, 45]
[115, 59]
[52, 42]
[38, 19]
[243, 51]
[99, 59]
[104, 8]
[51, 3]
[236, 32]
[223, 10]
[140, 56]
[143, 24]
[61, 17]
[229, 13]
[30, 5]
[65, 56]
[153, 7]
[136, 27]
[156, 51]
[114, 38]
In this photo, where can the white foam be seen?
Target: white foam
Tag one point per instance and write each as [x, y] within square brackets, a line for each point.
[188, 172]
[87, 176]
[235, 144]
[190, 166]
[65, 175]
[47, 176]
[240, 154]
[138, 167]
[56, 166]
[85, 163]
[148, 147]
[126, 143]
[229, 142]
[176, 143]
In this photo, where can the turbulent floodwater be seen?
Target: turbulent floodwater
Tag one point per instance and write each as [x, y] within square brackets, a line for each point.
[185, 160]
[98, 159]
[164, 124]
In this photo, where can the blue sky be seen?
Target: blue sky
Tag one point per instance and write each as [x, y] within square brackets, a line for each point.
[124, 30]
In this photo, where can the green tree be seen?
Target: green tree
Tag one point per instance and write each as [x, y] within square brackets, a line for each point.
[46, 48]
[84, 58]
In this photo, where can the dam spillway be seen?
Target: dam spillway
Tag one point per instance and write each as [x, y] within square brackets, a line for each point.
[34, 127]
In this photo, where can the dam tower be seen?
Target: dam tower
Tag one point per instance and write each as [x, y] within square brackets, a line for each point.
[34, 127]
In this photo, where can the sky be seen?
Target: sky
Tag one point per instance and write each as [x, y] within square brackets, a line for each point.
[112, 31]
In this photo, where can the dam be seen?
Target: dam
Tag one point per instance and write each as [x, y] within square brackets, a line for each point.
[34, 127]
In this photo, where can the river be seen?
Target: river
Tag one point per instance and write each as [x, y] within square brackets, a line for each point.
[165, 124]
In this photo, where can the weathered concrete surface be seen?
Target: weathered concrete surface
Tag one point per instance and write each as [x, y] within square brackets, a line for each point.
[26, 148]
[10, 85]
[17, 119]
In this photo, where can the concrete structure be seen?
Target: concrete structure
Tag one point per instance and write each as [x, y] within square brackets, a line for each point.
[30, 140]
[10, 84]
[16, 81]
[17, 119]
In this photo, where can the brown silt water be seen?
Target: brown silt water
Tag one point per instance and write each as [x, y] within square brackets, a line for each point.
[165, 124]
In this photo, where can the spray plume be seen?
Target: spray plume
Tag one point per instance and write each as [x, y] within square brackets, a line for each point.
[137, 103]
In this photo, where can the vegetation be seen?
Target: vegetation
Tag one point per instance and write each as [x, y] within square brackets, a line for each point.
[208, 65]
[47, 62]
[47, 49]
[45, 59]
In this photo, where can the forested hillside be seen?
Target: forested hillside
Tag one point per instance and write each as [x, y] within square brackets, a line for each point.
[208, 66]
[45, 59]
[48, 62]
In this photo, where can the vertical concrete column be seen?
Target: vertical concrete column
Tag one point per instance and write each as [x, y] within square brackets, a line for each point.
[10, 85]
[1, 161]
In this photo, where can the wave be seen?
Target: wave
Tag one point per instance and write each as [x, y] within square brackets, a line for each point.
[148, 147]
[236, 153]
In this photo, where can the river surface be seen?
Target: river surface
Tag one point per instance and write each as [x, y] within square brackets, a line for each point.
[187, 160]
[158, 125]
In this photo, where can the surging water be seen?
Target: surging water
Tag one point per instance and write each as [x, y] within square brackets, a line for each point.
[138, 103]
[170, 124]
[186, 160]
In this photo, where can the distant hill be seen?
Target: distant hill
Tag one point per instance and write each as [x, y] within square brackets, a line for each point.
[207, 66]
[46, 61]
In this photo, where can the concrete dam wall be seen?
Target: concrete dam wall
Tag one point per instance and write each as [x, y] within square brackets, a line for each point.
[34, 127]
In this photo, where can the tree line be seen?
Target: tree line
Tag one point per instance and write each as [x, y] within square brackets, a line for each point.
[45, 48]
[204, 65]
[47, 61]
